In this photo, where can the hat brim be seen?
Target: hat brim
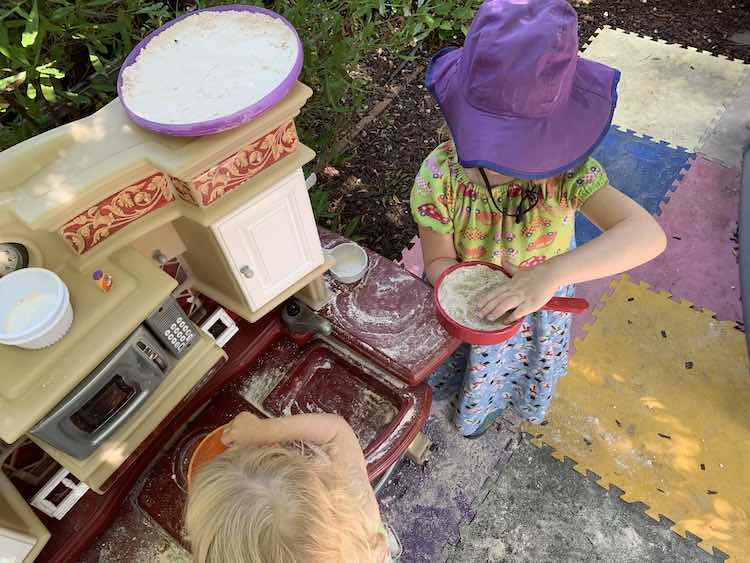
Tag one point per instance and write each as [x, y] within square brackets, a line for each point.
[524, 147]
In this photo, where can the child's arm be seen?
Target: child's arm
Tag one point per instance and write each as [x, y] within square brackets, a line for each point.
[324, 429]
[631, 237]
[438, 252]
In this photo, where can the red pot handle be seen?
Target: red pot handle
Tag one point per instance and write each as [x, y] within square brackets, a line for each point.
[567, 305]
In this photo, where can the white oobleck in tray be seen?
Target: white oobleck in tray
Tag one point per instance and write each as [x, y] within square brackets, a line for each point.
[209, 65]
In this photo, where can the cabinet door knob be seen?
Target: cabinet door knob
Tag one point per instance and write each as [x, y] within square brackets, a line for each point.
[247, 272]
[160, 257]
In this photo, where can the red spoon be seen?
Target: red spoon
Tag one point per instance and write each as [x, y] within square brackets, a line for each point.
[566, 305]
[480, 337]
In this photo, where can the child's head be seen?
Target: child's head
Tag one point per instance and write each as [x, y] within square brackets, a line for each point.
[517, 97]
[275, 505]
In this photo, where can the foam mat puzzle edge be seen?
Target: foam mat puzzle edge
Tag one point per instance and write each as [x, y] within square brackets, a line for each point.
[633, 511]
[716, 161]
[677, 183]
[624, 496]
[599, 305]
[647, 137]
[539, 441]
[722, 109]
[690, 131]
[663, 42]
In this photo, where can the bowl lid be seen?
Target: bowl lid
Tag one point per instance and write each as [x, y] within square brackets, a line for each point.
[16, 278]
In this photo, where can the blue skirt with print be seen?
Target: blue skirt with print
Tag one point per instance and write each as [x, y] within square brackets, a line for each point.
[520, 373]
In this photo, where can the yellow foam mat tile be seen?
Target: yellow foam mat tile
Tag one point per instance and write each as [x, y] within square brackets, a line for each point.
[668, 92]
[657, 403]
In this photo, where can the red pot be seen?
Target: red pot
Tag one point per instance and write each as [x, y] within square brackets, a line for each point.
[483, 337]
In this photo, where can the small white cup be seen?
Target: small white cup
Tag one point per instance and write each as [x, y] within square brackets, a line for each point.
[351, 262]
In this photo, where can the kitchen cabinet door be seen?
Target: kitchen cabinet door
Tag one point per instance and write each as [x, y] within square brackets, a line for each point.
[272, 241]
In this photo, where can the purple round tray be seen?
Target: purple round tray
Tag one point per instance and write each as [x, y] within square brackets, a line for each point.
[221, 123]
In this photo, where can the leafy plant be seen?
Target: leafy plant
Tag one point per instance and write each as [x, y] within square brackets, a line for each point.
[350, 229]
[320, 205]
[447, 19]
[322, 210]
[59, 59]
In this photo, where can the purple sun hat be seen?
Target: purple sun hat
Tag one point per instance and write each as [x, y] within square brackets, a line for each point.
[517, 97]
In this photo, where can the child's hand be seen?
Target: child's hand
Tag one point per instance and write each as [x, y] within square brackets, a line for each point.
[318, 428]
[244, 430]
[526, 292]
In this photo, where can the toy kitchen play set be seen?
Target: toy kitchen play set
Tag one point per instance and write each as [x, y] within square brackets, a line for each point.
[161, 273]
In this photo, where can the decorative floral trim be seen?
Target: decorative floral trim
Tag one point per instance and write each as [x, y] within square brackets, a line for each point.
[117, 211]
[251, 160]
[183, 190]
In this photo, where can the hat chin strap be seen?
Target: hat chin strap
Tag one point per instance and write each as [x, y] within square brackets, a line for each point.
[530, 195]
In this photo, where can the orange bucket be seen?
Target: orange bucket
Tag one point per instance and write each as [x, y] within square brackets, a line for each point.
[208, 449]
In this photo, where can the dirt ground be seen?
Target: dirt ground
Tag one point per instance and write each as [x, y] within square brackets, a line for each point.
[371, 179]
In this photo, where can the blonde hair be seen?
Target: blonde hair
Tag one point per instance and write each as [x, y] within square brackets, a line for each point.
[276, 505]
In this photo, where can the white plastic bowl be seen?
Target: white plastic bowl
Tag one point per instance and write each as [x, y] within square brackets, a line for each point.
[35, 309]
[351, 262]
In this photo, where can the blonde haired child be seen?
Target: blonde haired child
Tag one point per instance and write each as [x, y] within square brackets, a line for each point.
[525, 113]
[261, 502]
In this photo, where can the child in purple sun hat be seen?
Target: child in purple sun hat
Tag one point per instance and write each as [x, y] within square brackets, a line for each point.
[524, 112]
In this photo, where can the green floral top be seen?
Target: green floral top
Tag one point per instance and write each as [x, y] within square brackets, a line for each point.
[445, 200]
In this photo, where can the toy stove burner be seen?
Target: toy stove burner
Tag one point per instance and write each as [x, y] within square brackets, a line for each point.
[183, 453]
[13, 256]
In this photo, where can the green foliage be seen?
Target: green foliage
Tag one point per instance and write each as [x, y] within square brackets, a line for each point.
[321, 206]
[59, 59]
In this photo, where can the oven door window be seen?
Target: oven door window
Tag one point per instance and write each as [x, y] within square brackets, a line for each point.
[104, 405]
[217, 328]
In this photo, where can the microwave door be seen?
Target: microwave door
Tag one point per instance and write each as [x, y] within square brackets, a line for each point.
[105, 400]
[96, 420]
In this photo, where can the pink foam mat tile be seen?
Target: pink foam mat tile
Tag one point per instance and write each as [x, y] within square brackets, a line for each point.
[411, 258]
[699, 219]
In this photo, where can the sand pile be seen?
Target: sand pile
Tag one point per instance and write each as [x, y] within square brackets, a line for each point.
[460, 291]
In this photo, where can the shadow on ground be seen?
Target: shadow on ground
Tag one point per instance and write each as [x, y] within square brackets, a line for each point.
[542, 510]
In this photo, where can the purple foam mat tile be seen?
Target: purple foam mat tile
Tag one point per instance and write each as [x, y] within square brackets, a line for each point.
[699, 219]
[426, 504]
[592, 292]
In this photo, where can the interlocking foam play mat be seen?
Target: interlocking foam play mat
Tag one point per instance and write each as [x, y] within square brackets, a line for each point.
[541, 510]
[667, 92]
[654, 403]
[656, 399]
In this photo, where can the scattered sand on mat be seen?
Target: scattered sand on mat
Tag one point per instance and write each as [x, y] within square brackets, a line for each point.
[462, 289]
[152, 546]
